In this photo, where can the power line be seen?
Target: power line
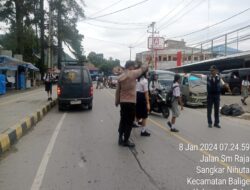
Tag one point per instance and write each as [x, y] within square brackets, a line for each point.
[121, 44]
[174, 21]
[136, 43]
[218, 31]
[113, 4]
[170, 12]
[173, 16]
[113, 28]
[219, 37]
[119, 23]
[141, 2]
[212, 24]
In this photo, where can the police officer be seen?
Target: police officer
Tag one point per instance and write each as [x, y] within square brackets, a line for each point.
[213, 96]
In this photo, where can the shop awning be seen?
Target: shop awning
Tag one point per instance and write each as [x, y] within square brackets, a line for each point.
[32, 67]
[9, 63]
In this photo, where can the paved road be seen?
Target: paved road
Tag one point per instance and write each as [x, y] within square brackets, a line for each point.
[78, 150]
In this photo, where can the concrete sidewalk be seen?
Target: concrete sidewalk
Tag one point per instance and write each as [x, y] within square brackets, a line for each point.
[21, 111]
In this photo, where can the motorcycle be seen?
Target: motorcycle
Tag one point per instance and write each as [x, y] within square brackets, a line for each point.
[158, 102]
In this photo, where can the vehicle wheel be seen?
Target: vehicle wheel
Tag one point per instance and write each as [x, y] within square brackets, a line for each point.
[61, 107]
[165, 111]
[90, 106]
[236, 91]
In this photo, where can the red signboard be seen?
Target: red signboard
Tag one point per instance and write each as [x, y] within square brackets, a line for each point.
[179, 59]
[156, 43]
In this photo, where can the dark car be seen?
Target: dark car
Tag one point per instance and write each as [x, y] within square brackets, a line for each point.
[74, 87]
[234, 78]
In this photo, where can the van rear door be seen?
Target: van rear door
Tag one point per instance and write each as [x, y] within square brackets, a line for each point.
[73, 84]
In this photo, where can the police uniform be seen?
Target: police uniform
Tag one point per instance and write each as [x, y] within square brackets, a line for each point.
[213, 98]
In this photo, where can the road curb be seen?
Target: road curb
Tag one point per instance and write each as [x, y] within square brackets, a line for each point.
[14, 133]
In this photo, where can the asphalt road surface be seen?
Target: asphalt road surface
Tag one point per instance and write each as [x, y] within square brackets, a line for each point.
[78, 150]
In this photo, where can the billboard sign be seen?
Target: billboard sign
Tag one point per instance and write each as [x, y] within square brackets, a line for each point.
[156, 43]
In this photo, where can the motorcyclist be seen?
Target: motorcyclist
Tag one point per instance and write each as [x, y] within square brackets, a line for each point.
[154, 88]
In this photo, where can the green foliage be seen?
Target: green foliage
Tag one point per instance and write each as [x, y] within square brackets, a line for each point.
[18, 14]
[29, 43]
[71, 11]
[103, 64]
[23, 16]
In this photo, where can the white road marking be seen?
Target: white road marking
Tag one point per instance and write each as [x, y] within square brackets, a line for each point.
[42, 168]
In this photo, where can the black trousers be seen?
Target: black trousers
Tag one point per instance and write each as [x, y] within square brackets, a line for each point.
[213, 100]
[127, 114]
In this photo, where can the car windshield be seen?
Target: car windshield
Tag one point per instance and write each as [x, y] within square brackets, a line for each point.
[114, 77]
[71, 76]
[195, 80]
[165, 80]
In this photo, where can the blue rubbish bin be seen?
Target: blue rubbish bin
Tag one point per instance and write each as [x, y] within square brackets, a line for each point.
[21, 81]
[2, 84]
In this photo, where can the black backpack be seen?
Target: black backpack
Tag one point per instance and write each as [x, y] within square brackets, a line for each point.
[170, 97]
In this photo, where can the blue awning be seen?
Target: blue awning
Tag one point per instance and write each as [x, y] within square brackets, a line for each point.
[32, 67]
[8, 68]
[9, 63]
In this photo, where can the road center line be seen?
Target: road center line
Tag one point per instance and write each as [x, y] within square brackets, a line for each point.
[182, 139]
[245, 176]
[43, 165]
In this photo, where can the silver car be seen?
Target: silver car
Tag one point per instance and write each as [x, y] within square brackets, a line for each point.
[194, 89]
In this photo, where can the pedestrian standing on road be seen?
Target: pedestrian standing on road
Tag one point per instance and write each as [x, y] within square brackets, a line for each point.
[126, 97]
[244, 89]
[48, 79]
[175, 103]
[97, 82]
[142, 103]
[213, 96]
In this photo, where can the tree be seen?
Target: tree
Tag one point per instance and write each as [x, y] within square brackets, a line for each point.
[96, 59]
[68, 13]
[24, 16]
[29, 43]
[41, 11]
[17, 13]
[104, 65]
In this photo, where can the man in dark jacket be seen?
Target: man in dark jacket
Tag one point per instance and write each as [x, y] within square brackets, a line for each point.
[213, 96]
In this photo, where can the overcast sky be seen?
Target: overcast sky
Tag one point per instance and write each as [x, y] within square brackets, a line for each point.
[173, 18]
[113, 34]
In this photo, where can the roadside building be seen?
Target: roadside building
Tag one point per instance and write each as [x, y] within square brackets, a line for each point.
[174, 50]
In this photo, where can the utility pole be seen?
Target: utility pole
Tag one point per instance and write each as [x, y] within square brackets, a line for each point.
[59, 35]
[42, 32]
[130, 47]
[153, 32]
[50, 53]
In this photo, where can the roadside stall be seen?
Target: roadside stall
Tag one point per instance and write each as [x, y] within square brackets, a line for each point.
[8, 69]
[18, 74]
[31, 73]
